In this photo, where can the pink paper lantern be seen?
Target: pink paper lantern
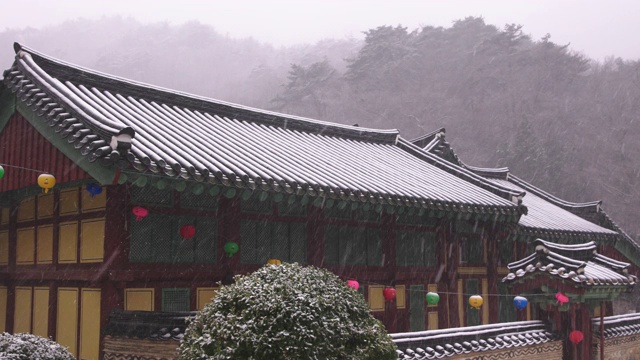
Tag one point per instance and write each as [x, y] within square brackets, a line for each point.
[562, 298]
[353, 284]
[139, 212]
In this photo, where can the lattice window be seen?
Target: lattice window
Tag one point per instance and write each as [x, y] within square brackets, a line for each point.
[414, 218]
[336, 213]
[295, 209]
[152, 196]
[353, 245]
[254, 205]
[156, 238]
[471, 249]
[189, 200]
[368, 215]
[263, 240]
[177, 299]
[415, 248]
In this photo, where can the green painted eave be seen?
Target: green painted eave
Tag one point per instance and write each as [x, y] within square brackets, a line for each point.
[103, 174]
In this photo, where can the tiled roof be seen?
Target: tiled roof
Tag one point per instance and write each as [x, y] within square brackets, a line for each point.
[147, 324]
[579, 263]
[546, 216]
[150, 130]
[618, 325]
[438, 344]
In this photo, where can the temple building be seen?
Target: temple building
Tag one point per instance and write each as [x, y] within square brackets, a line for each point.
[160, 196]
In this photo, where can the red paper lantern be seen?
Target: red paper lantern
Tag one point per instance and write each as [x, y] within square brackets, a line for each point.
[389, 293]
[139, 212]
[576, 336]
[187, 231]
[353, 284]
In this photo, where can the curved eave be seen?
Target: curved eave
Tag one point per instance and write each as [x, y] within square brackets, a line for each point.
[578, 236]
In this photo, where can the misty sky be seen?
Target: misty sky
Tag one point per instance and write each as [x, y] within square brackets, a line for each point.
[597, 28]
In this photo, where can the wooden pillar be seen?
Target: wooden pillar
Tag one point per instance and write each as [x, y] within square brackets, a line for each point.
[602, 330]
[229, 231]
[585, 325]
[452, 258]
[390, 316]
[492, 276]
[315, 237]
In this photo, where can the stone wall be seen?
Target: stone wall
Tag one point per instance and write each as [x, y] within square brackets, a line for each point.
[546, 351]
[117, 348]
[619, 348]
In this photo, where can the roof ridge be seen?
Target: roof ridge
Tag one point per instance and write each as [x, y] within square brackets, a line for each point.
[567, 205]
[462, 172]
[70, 72]
[497, 173]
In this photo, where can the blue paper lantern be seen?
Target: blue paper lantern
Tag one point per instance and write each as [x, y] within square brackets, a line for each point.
[520, 302]
[94, 189]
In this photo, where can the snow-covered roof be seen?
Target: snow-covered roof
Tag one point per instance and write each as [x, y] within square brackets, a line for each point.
[143, 129]
[544, 216]
[617, 325]
[438, 344]
[580, 264]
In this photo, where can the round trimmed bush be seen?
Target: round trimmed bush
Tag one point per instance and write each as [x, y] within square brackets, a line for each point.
[286, 312]
[29, 347]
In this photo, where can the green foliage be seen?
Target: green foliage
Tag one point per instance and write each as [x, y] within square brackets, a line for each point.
[29, 347]
[286, 312]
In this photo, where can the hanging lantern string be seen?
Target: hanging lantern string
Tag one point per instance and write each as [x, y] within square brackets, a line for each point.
[24, 168]
[453, 293]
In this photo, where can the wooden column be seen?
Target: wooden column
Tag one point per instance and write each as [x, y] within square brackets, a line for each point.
[492, 275]
[315, 236]
[229, 231]
[453, 258]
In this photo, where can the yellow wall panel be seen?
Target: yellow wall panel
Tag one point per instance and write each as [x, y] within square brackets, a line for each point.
[68, 243]
[401, 297]
[41, 311]
[376, 299]
[4, 247]
[45, 205]
[90, 325]
[27, 209]
[204, 296]
[432, 318]
[3, 309]
[4, 216]
[25, 246]
[97, 202]
[22, 310]
[69, 201]
[44, 244]
[67, 319]
[139, 299]
[92, 241]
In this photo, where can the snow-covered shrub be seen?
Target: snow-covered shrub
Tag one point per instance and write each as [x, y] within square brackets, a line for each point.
[286, 312]
[29, 347]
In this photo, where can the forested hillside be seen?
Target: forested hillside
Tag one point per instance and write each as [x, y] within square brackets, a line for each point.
[556, 118]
